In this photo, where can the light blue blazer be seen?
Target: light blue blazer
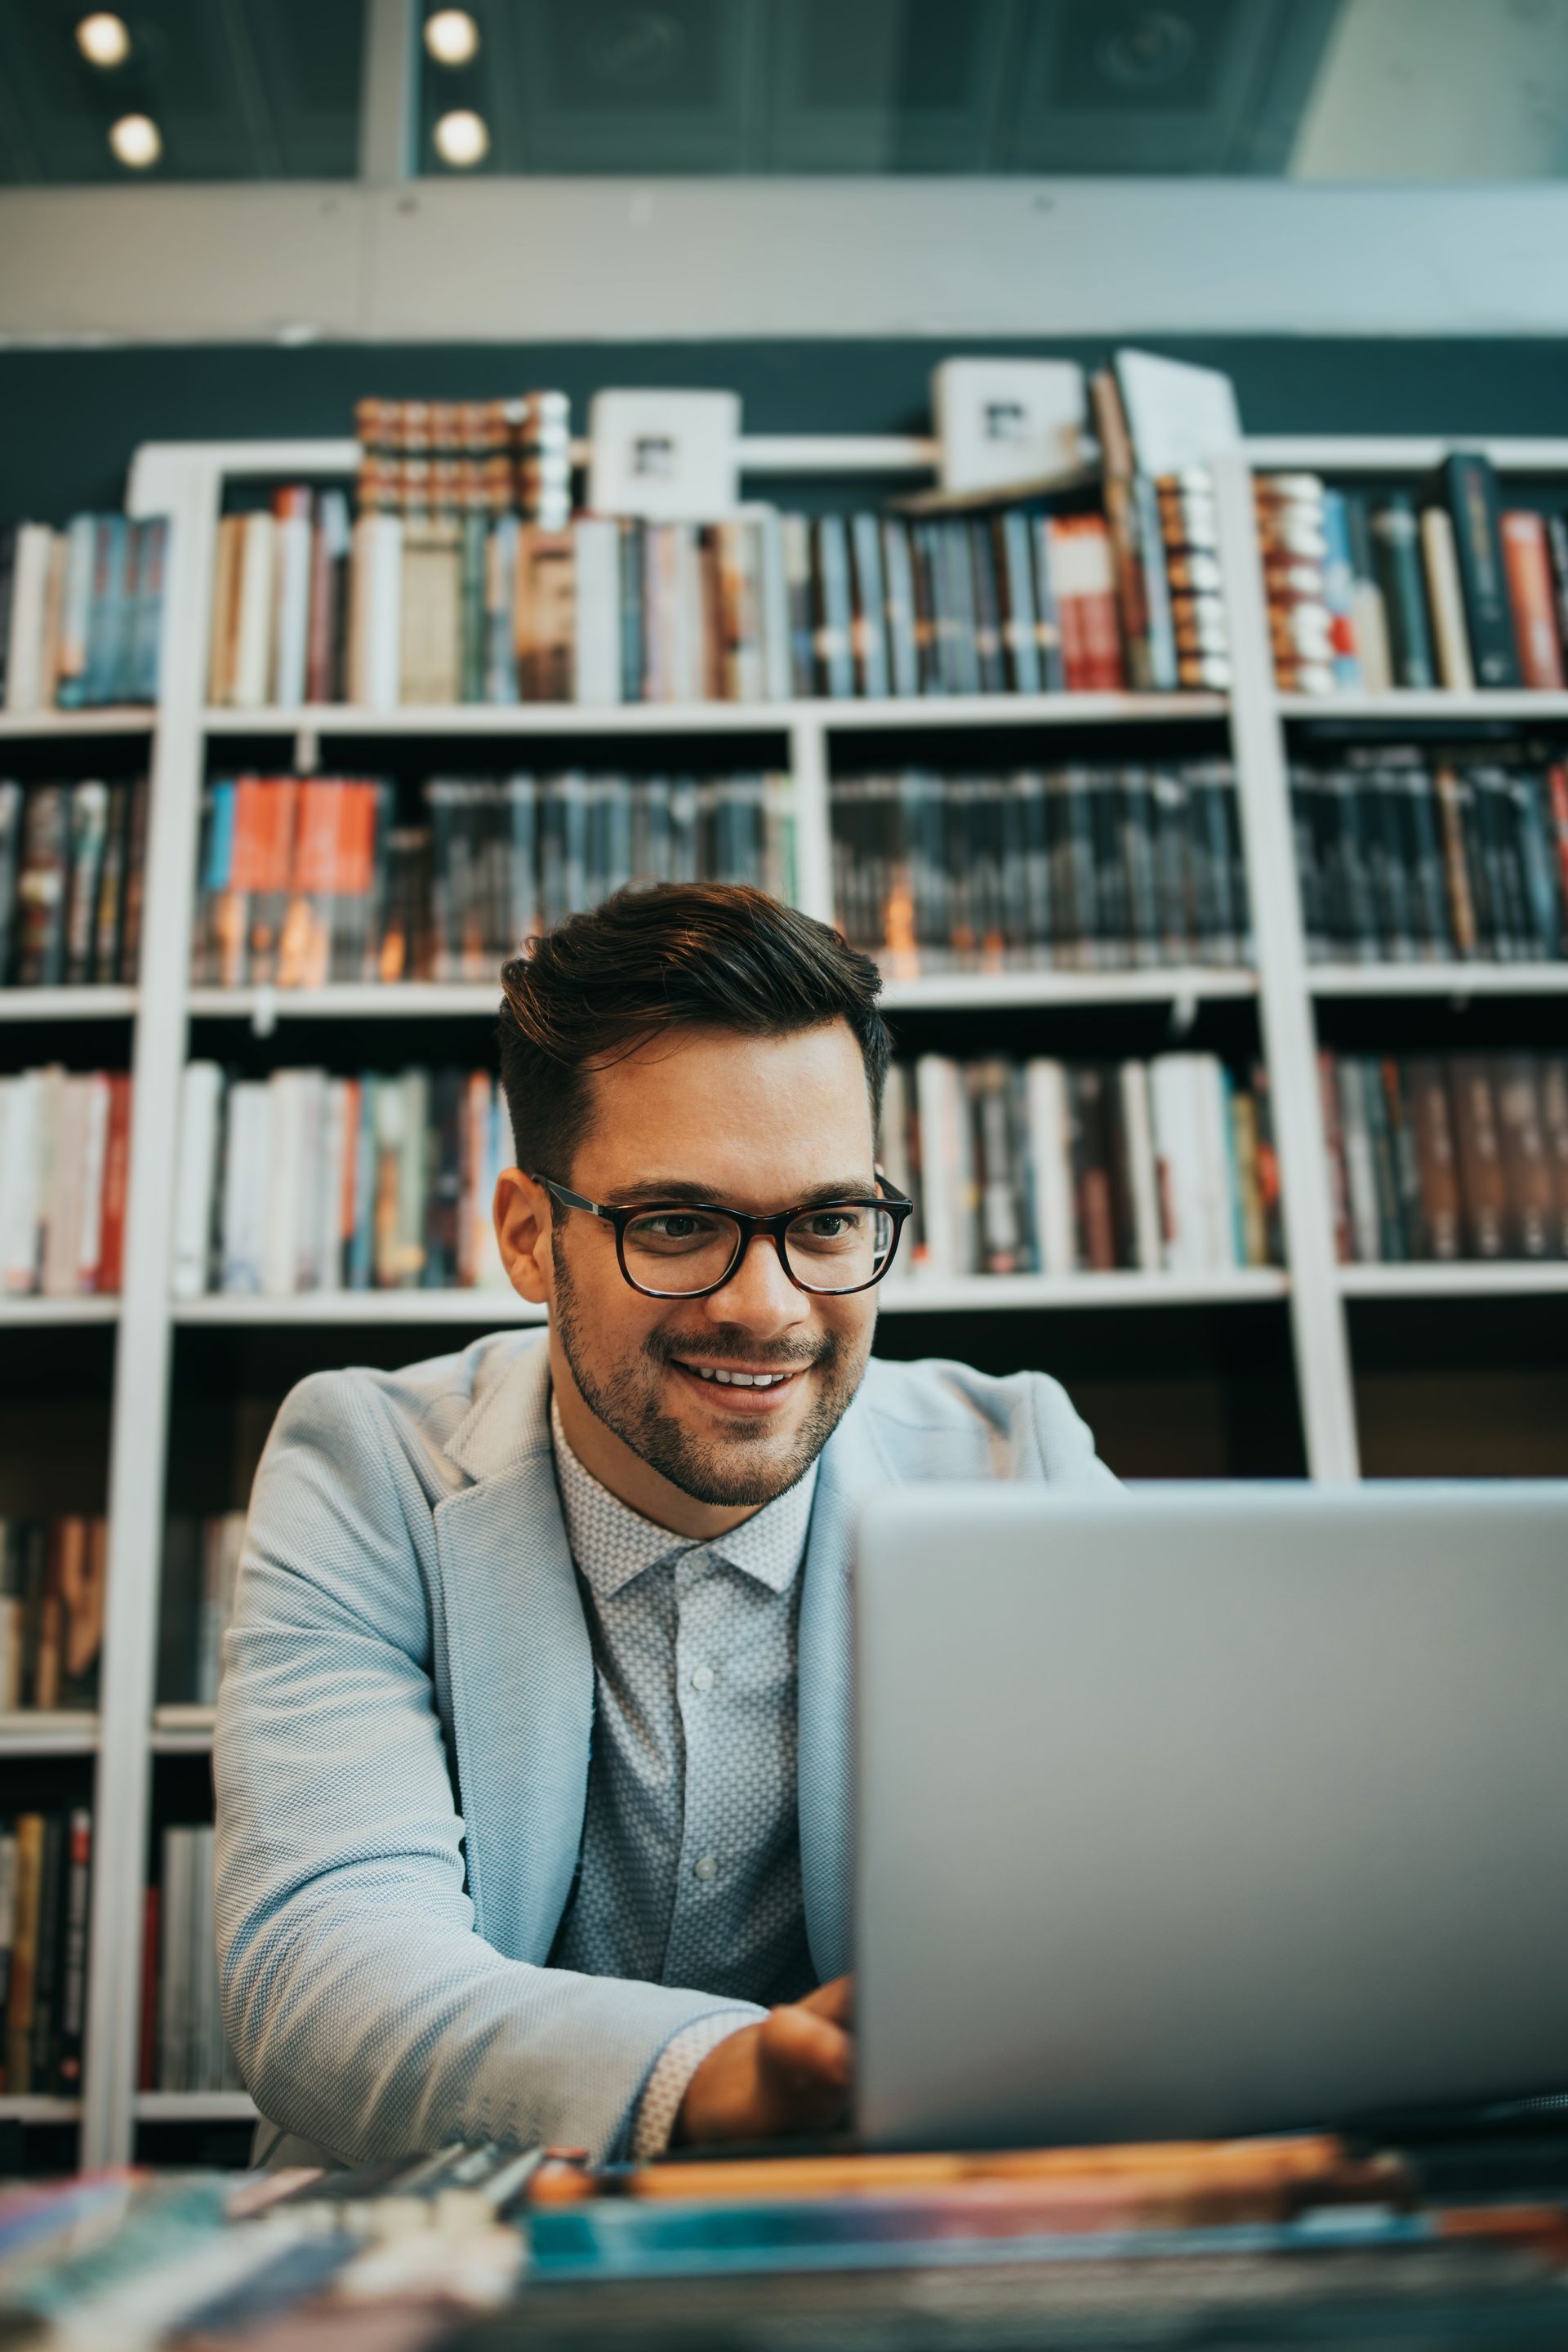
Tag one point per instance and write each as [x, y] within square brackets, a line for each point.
[403, 1735]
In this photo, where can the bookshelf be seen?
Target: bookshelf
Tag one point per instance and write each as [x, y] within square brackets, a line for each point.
[1284, 995]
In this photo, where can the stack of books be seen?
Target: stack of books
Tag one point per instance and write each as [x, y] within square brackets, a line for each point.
[183, 2042]
[70, 882]
[81, 611]
[307, 1181]
[64, 1144]
[1439, 587]
[1463, 1157]
[53, 1581]
[1080, 869]
[201, 1564]
[305, 880]
[1046, 1166]
[461, 603]
[45, 1873]
[1407, 854]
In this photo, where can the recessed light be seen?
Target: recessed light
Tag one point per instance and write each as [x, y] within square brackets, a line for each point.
[462, 138]
[103, 39]
[452, 36]
[136, 141]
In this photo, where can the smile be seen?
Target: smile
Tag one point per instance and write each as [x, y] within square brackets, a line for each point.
[725, 1378]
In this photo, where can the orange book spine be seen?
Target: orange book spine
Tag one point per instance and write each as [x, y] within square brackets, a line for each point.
[1528, 569]
[116, 1164]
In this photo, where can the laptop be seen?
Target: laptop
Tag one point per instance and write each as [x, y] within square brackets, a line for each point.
[1208, 1809]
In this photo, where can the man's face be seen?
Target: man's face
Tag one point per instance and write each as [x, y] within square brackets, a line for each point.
[746, 1123]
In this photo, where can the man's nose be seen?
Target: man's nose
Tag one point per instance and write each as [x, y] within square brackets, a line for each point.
[759, 1294]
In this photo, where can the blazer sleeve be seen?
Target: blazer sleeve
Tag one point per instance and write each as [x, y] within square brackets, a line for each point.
[364, 2011]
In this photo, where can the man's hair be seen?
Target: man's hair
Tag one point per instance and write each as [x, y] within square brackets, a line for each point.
[667, 956]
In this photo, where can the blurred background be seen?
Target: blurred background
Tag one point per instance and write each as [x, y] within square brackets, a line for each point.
[1075, 492]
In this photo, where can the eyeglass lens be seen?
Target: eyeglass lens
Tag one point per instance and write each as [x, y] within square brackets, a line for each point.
[674, 1251]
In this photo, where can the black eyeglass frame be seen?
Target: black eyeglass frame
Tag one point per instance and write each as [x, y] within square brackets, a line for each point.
[888, 1198]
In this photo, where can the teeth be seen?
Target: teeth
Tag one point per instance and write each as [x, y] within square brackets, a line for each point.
[740, 1380]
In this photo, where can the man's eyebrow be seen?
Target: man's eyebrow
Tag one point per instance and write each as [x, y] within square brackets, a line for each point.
[673, 1188]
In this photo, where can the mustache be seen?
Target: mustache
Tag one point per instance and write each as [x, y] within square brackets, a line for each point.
[724, 1347]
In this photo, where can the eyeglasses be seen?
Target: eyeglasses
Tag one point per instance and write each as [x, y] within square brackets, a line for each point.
[687, 1249]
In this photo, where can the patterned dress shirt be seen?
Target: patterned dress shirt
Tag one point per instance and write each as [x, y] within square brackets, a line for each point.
[689, 1873]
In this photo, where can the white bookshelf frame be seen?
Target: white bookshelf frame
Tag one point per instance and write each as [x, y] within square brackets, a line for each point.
[188, 481]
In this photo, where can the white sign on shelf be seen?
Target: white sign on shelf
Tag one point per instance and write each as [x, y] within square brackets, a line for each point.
[665, 456]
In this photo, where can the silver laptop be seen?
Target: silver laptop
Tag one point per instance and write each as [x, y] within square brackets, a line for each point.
[1208, 1809]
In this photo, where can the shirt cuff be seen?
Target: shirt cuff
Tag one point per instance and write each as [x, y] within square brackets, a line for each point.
[659, 2104]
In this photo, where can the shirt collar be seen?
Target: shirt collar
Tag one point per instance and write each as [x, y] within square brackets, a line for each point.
[611, 1543]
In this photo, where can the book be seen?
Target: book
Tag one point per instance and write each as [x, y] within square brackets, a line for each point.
[1527, 569]
[315, 1179]
[46, 1862]
[1448, 1159]
[63, 1147]
[1064, 1168]
[1108, 868]
[1466, 486]
[1405, 853]
[303, 881]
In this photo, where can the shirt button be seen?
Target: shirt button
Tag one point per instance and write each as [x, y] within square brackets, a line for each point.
[702, 1678]
[706, 1867]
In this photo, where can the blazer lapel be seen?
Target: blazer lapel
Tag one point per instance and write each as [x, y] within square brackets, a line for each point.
[852, 1470]
[520, 1662]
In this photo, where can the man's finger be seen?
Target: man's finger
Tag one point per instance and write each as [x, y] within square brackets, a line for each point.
[807, 2043]
[836, 1999]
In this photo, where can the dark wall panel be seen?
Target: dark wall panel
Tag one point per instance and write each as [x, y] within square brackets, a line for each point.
[72, 418]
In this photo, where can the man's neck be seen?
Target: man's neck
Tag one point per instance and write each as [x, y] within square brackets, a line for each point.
[628, 1477]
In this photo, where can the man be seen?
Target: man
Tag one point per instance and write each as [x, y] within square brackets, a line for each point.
[532, 1746]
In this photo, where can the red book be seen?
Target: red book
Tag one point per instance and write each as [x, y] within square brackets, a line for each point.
[1557, 788]
[116, 1160]
[147, 2041]
[1529, 595]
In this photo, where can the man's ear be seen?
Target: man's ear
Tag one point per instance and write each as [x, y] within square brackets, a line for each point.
[523, 1229]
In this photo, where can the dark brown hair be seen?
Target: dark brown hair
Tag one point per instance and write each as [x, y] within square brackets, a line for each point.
[672, 954]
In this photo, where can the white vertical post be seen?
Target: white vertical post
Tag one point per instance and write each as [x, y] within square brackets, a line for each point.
[1285, 1008]
[188, 492]
[812, 818]
[388, 86]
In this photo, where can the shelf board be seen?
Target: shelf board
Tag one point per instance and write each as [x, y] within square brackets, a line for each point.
[847, 714]
[492, 1307]
[116, 718]
[918, 1293]
[183, 1730]
[1440, 703]
[105, 1003]
[48, 1731]
[347, 1000]
[1483, 1278]
[38, 2107]
[429, 999]
[34, 1311]
[1438, 978]
[979, 991]
[921, 1293]
[195, 2107]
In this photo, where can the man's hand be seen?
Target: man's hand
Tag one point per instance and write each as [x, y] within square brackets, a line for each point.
[790, 2073]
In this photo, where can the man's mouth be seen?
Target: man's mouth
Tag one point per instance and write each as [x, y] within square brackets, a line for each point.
[753, 1384]
[732, 1376]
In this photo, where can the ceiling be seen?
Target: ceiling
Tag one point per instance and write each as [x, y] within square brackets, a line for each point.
[267, 89]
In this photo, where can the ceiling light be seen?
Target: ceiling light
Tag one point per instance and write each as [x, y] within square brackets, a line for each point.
[462, 138]
[103, 39]
[136, 140]
[452, 36]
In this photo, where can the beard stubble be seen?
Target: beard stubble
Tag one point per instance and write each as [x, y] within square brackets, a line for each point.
[726, 1473]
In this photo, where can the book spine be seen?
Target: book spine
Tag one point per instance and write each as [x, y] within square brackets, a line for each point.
[1468, 486]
